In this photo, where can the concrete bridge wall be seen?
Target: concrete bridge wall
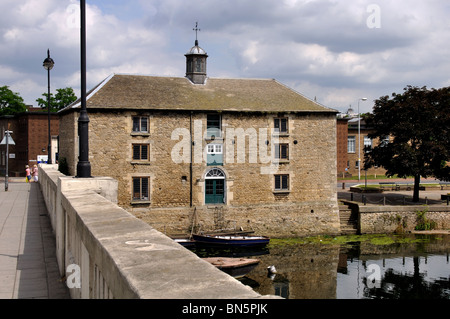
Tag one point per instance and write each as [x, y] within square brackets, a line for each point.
[106, 252]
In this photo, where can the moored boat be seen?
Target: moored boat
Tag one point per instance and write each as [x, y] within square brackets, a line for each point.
[231, 240]
[235, 267]
[185, 241]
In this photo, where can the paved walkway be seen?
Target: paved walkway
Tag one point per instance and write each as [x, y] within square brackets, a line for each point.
[432, 197]
[388, 197]
[28, 267]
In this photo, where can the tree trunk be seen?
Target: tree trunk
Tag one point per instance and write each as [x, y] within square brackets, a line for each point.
[416, 188]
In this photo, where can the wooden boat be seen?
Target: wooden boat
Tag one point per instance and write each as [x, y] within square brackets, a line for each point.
[235, 267]
[185, 242]
[231, 240]
[227, 233]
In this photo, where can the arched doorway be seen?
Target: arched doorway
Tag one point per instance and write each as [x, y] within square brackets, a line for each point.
[215, 186]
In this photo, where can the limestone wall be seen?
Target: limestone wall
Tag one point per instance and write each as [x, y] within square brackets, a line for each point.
[68, 140]
[309, 207]
[276, 220]
[389, 219]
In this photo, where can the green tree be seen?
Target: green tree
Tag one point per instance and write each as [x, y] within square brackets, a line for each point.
[414, 131]
[10, 102]
[62, 98]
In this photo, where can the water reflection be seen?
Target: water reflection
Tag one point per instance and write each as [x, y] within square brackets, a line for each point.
[415, 277]
[356, 271]
[303, 272]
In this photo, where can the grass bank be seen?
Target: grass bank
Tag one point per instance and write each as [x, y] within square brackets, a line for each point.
[374, 239]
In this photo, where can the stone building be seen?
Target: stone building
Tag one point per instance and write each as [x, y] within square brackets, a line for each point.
[196, 152]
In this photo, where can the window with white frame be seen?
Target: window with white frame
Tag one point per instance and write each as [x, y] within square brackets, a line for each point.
[367, 144]
[351, 145]
[214, 154]
[215, 148]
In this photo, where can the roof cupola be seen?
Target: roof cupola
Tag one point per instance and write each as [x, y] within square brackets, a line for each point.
[196, 62]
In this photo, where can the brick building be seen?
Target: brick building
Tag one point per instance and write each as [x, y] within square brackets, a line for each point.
[342, 146]
[210, 152]
[30, 134]
[347, 147]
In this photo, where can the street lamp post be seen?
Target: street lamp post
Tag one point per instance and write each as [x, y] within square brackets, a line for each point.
[83, 166]
[359, 140]
[7, 142]
[7, 135]
[48, 65]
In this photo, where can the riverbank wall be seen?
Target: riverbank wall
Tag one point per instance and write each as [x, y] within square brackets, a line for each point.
[391, 219]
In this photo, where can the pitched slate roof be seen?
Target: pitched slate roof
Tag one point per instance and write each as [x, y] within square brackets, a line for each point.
[176, 93]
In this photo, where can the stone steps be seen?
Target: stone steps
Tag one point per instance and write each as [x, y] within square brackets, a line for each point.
[348, 220]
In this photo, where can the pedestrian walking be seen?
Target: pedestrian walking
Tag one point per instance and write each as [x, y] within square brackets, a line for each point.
[35, 173]
[28, 173]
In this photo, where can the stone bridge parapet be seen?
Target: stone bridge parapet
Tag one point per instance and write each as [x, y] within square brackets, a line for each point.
[106, 252]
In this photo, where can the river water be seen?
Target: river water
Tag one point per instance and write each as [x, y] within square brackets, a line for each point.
[378, 266]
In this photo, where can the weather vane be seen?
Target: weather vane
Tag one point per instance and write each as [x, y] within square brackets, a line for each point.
[196, 29]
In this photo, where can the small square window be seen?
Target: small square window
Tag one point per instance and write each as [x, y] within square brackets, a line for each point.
[282, 182]
[281, 125]
[140, 124]
[214, 148]
[141, 152]
[282, 151]
[141, 189]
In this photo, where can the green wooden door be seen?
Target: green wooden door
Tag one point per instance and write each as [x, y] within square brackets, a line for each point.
[214, 191]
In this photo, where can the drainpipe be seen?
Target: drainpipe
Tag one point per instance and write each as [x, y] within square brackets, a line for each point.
[192, 159]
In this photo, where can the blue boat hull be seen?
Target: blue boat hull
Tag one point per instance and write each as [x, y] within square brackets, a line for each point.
[231, 241]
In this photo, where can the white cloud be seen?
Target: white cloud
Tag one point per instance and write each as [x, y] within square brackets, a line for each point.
[322, 48]
[112, 45]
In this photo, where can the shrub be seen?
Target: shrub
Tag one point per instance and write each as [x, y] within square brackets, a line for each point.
[423, 223]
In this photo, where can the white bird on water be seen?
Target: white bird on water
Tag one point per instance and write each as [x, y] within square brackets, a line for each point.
[272, 269]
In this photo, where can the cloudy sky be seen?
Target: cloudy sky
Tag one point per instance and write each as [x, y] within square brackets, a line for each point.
[333, 50]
